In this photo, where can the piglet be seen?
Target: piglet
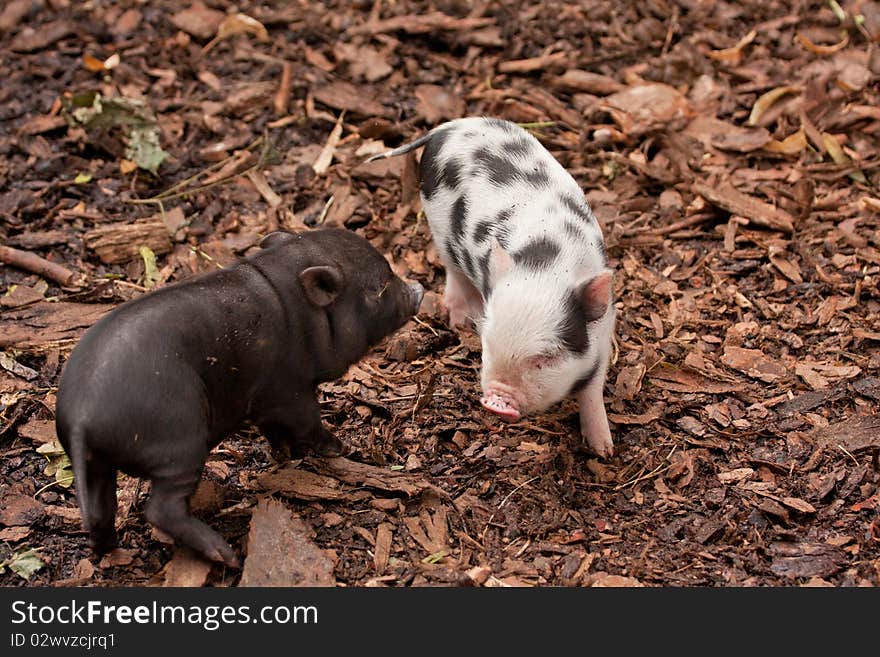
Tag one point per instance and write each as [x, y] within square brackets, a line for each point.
[154, 385]
[525, 262]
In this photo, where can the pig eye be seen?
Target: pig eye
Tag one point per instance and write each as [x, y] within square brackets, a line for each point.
[542, 361]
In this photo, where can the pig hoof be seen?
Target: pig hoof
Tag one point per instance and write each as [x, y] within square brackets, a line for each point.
[330, 447]
[102, 542]
[604, 449]
[222, 554]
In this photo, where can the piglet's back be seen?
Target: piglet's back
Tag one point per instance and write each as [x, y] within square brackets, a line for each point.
[485, 179]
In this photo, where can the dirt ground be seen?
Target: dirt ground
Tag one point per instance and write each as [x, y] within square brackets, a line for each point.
[730, 151]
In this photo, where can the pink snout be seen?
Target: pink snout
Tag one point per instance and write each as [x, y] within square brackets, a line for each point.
[502, 403]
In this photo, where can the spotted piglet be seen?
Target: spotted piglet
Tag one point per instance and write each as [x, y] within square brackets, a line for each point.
[525, 262]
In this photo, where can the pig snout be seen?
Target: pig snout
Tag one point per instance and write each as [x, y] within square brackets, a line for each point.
[416, 294]
[502, 400]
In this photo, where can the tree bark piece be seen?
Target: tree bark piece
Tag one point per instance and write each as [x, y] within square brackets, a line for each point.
[728, 198]
[186, 569]
[281, 551]
[119, 242]
[45, 324]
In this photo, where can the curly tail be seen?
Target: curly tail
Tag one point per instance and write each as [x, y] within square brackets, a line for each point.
[406, 148]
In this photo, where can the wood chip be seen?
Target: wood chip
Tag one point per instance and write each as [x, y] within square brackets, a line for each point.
[17, 509]
[384, 534]
[281, 552]
[421, 24]
[301, 484]
[186, 569]
[853, 434]
[585, 81]
[754, 363]
[326, 155]
[362, 474]
[795, 560]
[343, 95]
[728, 198]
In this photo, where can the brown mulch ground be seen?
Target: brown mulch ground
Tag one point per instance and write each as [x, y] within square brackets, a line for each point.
[730, 150]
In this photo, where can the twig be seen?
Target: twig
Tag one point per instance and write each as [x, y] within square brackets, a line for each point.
[282, 96]
[426, 325]
[33, 263]
[845, 451]
[60, 482]
[532, 63]
[172, 192]
[510, 494]
[658, 470]
[326, 156]
[678, 225]
[325, 210]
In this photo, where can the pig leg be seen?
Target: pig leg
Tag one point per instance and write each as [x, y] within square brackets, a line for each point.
[168, 509]
[463, 300]
[295, 426]
[594, 421]
[100, 517]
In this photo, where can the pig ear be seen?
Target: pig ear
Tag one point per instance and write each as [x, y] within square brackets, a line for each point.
[321, 284]
[500, 261]
[273, 239]
[595, 295]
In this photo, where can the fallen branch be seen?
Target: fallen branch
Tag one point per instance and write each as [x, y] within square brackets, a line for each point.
[37, 265]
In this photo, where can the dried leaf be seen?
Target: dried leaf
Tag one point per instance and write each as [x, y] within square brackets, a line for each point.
[24, 563]
[132, 117]
[198, 20]
[733, 55]
[237, 24]
[822, 49]
[767, 100]
[836, 152]
[791, 145]
[9, 364]
[151, 272]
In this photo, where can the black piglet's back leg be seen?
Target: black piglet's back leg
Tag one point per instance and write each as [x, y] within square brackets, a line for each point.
[168, 509]
[101, 514]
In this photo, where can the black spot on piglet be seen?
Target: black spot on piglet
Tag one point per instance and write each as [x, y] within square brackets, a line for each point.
[451, 176]
[584, 380]
[487, 227]
[573, 327]
[501, 123]
[537, 254]
[517, 147]
[429, 168]
[458, 217]
[500, 170]
[578, 207]
[483, 265]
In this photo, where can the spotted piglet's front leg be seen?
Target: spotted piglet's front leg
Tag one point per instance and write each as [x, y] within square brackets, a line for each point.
[463, 300]
[594, 421]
